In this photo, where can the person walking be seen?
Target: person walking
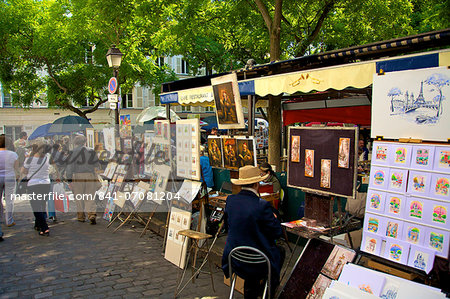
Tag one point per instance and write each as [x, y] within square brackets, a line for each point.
[9, 166]
[36, 168]
[83, 181]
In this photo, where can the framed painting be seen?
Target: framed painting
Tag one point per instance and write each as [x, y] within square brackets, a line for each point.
[437, 240]
[325, 173]
[246, 153]
[375, 224]
[400, 155]
[396, 251]
[395, 205]
[394, 228]
[380, 153]
[318, 289]
[215, 150]
[344, 152]
[338, 258]
[412, 104]
[419, 183]
[440, 185]
[415, 208]
[379, 177]
[422, 157]
[442, 159]
[398, 180]
[421, 258]
[295, 148]
[414, 233]
[375, 201]
[436, 214]
[309, 163]
[230, 153]
[371, 243]
[227, 101]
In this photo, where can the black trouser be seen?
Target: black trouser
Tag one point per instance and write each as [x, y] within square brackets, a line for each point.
[39, 195]
[254, 287]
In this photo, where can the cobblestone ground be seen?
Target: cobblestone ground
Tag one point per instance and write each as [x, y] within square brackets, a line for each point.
[83, 260]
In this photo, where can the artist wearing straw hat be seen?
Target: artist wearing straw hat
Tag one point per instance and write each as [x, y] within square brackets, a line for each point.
[251, 222]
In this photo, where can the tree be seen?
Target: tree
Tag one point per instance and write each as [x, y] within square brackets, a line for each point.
[439, 81]
[55, 50]
[393, 92]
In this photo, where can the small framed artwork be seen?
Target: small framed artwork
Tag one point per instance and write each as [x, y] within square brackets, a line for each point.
[440, 185]
[325, 173]
[414, 233]
[375, 201]
[295, 148]
[395, 205]
[309, 163]
[379, 177]
[90, 143]
[380, 153]
[421, 258]
[394, 228]
[400, 155]
[344, 152]
[398, 179]
[422, 157]
[415, 209]
[442, 159]
[374, 224]
[419, 183]
[230, 153]
[371, 243]
[127, 143]
[437, 240]
[436, 213]
[397, 251]
[118, 144]
[320, 285]
[215, 151]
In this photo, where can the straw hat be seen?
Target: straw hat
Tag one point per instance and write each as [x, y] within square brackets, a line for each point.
[249, 175]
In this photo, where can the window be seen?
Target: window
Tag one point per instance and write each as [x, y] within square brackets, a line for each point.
[139, 97]
[7, 100]
[127, 100]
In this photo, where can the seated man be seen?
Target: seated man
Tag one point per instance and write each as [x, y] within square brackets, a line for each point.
[251, 222]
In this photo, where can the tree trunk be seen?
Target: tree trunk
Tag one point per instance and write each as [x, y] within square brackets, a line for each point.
[274, 116]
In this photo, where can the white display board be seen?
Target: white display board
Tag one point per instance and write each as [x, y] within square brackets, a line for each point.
[188, 149]
[176, 245]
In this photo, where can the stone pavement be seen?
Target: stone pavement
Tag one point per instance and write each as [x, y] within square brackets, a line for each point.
[83, 260]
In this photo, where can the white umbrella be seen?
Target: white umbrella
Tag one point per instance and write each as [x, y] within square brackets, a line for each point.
[153, 112]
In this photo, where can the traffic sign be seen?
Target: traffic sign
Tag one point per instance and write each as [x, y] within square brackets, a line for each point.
[112, 85]
[112, 106]
[113, 98]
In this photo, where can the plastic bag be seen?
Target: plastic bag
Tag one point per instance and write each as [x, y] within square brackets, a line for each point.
[61, 198]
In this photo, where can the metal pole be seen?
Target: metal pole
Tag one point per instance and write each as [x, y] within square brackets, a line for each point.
[117, 112]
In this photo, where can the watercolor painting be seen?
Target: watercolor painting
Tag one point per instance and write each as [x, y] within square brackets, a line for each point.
[109, 209]
[318, 289]
[336, 261]
[439, 214]
[395, 205]
[436, 241]
[419, 183]
[395, 252]
[325, 173]
[375, 201]
[379, 177]
[344, 152]
[412, 103]
[309, 163]
[416, 209]
[421, 258]
[400, 155]
[295, 148]
[422, 156]
[392, 229]
[370, 245]
[396, 179]
[413, 234]
[442, 186]
[373, 225]
[444, 159]
[381, 152]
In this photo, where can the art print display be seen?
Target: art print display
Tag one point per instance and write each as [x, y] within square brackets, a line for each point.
[125, 126]
[379, 177]
[320, 285]
[414, 233]
[442, 158]
[400, 155]
[188, 148]
[109, 209]
[176, 245]
[380, 153]
[358, 277]
[371, 243]
[246, 153]
[394, 228]
[419, 183]
[412, 104]
[421, 258]
[344, 152]
[422, 157]
[162, 129]
[139, 194]
[227, 101]
[109, 142]
[309, 163]
[215, 150]
[110, 169]
[325, 173]
[338, 258]
[127, 143]
[90, 143]
[395, 204]
[396, 251]
[415, 208]
[437, 240]
[295, 148]
[230, 153]
[375, 201]
[398, 180]
[440, 185]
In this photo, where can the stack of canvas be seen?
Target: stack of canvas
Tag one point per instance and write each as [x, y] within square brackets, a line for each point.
[359, 282]
[407, 203]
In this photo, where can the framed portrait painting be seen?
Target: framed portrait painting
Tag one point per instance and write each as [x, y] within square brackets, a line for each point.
[246, 154]
[215, 151]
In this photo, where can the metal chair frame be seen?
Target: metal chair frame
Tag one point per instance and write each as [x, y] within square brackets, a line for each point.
[258, 257]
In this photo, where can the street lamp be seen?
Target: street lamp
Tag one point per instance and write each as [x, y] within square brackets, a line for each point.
[114, 57]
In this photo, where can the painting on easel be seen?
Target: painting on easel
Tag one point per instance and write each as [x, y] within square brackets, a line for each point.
[309, 163]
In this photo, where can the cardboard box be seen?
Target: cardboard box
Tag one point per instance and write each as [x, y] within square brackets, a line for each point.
[238, 286]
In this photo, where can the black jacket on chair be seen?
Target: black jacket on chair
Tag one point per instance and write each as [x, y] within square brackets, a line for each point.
[250, 222]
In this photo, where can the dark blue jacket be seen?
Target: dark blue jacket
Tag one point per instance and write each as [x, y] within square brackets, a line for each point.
[250, 222]
[207, 171]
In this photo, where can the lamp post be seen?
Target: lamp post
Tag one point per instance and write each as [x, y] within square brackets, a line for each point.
[114, 58]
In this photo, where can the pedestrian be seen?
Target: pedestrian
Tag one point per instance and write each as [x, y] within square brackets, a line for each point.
[36, 168]
[207, 173]
[9, 169]
[22, 141]
[251, 221]
[83, 181]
